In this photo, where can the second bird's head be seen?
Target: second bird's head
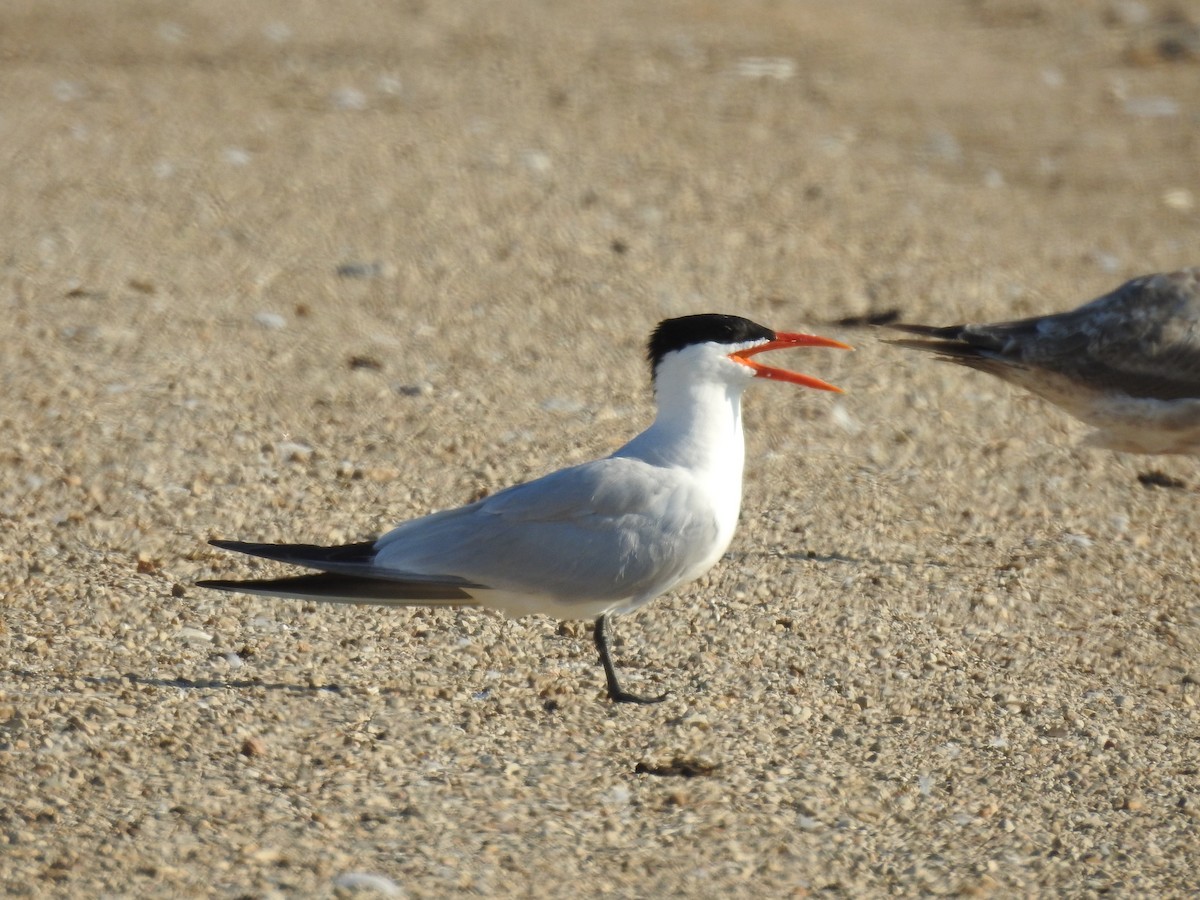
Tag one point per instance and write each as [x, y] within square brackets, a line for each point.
[716, 347]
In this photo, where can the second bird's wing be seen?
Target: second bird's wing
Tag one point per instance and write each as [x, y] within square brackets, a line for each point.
[1142, 339]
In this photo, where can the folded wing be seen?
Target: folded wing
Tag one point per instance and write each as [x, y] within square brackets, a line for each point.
[608, 533]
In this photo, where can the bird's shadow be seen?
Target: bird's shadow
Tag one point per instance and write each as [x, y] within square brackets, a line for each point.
[196, 684]
[842, 558]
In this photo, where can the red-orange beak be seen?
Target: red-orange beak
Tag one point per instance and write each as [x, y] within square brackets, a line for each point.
[782, 341]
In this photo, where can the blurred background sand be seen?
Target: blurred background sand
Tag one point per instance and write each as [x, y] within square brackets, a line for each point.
[302, 270]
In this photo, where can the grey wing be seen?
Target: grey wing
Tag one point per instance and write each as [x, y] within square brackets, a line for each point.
[608, 530]
[1157, 352]
[1142, 339]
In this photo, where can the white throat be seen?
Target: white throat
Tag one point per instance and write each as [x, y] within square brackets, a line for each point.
[698, 428]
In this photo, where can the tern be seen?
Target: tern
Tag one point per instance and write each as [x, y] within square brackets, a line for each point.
[1126, 363]
[587, 542]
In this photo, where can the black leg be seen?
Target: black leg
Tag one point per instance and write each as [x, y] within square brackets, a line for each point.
[616, 693]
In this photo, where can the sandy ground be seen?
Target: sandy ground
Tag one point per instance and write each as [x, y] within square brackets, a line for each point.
[300, 271]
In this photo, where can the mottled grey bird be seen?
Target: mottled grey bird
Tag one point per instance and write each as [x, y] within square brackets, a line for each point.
[1127, 363]
[590, 541]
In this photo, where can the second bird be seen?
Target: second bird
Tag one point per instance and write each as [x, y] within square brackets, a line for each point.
[1127, 363]
[590, 541]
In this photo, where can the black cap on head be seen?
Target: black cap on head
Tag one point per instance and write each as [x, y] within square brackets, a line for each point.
[675, 334]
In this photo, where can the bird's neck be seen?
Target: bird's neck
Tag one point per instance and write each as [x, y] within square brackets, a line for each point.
[698, 427]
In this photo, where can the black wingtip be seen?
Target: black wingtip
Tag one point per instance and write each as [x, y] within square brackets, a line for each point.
[946, 341]
[314, 556]
[947, 351]
[331, 587]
